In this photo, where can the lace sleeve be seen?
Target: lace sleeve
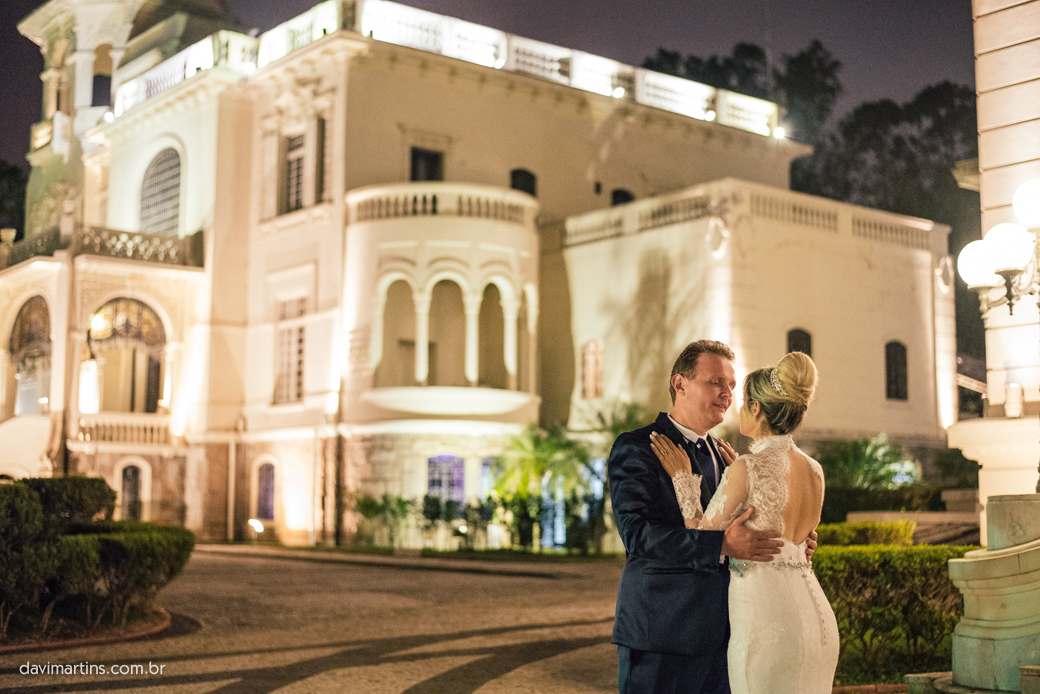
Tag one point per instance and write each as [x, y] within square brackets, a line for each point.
[730, 498]
[688, 494]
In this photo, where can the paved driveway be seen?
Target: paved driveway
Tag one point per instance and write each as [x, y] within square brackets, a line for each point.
[245, 624]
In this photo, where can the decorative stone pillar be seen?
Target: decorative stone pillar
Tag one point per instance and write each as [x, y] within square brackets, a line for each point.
[422, 339]
[5, 397]
[532, 342]
[84, 80]
[51, 83]
[76, 342]
[510, 311]
[169, 353]
[471, 304]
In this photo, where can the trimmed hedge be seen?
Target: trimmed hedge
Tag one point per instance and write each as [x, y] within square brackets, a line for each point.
[896, 608]
[839, 501]
[55, 561]
[867, 533]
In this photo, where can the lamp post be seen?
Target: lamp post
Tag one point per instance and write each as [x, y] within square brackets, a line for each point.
[1006, 257]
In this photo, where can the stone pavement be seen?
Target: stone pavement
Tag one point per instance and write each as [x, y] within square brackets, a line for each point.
[252, 619]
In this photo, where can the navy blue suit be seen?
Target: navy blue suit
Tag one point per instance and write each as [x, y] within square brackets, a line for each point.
[673, 600]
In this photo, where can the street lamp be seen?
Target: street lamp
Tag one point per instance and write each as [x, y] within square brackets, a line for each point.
[1006, 257]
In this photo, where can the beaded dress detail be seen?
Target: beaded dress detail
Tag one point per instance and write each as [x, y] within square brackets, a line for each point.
[784, 637]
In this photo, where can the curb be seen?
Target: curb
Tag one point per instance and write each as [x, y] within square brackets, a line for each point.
[390, 562]
[870, 688]
[150, 630]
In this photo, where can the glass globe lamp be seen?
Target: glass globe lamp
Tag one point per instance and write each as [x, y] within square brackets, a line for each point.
[1026, 203]
[975, 266]
[1010, 247]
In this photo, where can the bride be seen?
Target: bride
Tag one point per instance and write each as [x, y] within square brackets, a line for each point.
[783, 635]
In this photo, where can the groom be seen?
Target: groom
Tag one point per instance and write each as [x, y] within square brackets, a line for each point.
[672, 622]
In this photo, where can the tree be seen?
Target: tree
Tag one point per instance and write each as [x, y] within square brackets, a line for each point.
[12, 197]
[807, 86]
[900, 158]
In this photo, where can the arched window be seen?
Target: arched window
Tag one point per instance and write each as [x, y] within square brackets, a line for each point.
[397, 362]
[592, 370]
[30, 348]
[161, 194]
[265, 492]
[447, 336]
[799, 340]
[491, 364]
[895, 371]
[129, 339]
[102, 88]
[619, 196]
[522, 179]
[130, 495]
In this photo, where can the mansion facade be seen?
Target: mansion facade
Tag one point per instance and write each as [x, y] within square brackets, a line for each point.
[359, 252]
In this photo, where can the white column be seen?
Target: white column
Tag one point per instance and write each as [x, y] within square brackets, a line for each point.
[51, 82]
[5, 396]
[472, 307]
[167, 392]
[84, 81]
[532, 342]
[422, 339]
[510, 310]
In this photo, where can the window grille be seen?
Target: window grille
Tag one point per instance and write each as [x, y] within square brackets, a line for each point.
[799, 341]
[265, 492]
[161, 194]
[895, 371]
[446, 478]
[592, 370]
[131, 493]
[290, 349]
[294, 173]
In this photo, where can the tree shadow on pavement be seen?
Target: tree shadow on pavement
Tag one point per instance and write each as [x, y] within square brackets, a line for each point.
[494, 662]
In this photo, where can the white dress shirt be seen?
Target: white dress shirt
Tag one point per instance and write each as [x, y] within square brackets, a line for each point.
[695, 438]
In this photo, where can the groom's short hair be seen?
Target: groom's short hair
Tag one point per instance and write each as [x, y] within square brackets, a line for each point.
[686, 363]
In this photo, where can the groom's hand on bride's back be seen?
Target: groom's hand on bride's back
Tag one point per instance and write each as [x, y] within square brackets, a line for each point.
[744, 543]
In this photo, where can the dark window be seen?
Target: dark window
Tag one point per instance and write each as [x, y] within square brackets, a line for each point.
[598, 188]
[265, 492]
[131, 505]
[102, 91]
[161, 194]
[619, 196]
[799, 341]
[294, 151]
[319, 164]
[895, 371]
[446, 479]
[522, 179]
[427, 165]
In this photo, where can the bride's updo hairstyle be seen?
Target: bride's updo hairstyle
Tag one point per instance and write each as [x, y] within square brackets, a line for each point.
[783, 406]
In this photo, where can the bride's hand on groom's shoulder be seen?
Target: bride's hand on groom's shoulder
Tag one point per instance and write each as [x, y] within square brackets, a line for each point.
[740, 542]
[728, 453]
[673, 459]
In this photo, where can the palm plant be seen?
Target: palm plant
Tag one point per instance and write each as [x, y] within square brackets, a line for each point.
[869, 464]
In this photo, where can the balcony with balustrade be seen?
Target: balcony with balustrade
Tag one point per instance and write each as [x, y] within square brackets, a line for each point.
[110, 243]
[444, 282]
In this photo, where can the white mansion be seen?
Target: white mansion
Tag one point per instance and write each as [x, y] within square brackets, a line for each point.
[362, 250]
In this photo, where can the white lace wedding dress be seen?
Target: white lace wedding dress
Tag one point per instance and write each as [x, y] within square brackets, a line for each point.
[783, 635]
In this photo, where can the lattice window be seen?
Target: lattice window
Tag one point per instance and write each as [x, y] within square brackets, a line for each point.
[446, 479]
[592, 370]
[265, 492]
[290, 350]
[131, 493]
[294, 150]
[161, 194]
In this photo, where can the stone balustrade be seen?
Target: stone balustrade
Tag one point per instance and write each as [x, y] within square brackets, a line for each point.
[440, 199]
[120, 427]
[112, 243]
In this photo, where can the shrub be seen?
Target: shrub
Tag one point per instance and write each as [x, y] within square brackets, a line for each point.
[861, 463]
[839, 501]
[867, 533]
[52, 555]
[896, 607]
[67, 501]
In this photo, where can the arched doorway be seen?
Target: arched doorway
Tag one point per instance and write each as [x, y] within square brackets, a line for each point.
[130, 493]
[397, 364]
[30, 355]
[447, 336]
[492, 371]
[128, 340]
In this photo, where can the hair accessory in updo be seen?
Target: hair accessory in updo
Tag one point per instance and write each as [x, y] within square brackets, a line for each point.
[774, 380]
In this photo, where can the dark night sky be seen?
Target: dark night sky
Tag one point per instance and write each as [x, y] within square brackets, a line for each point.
[889, 48]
